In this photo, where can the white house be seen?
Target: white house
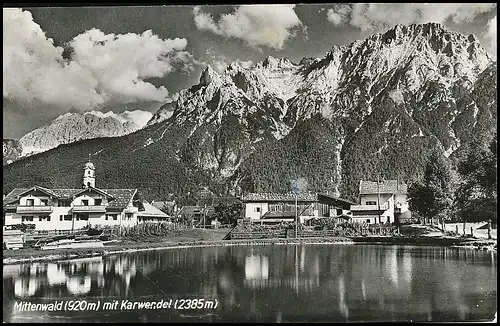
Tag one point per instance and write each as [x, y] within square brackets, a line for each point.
[381, 202]
[68, 209]
[269, 207]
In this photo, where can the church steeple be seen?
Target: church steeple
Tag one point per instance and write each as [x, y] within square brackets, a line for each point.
[89, 175]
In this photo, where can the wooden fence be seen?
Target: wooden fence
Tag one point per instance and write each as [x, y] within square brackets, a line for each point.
[338, 232]
[259, 235]
[33, 235]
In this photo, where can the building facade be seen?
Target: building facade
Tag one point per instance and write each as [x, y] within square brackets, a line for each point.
[268, 207]
[381, 202]
[72, 209]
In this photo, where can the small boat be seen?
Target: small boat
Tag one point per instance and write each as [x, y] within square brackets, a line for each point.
[72, 244]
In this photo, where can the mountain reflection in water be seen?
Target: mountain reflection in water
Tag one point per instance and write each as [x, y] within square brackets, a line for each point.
[271, 283]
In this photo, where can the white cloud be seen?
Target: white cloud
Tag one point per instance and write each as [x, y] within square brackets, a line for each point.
[219, 65]
[257, 25]
[103, 69]
[138, 117]
[491, 35]
[339, 15]
[246, 64]
[376, 16]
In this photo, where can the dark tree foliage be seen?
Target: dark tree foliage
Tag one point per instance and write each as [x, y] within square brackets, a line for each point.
[433, 195]
[228, 213]
[309, 152]
[476, 197]
[388, 145]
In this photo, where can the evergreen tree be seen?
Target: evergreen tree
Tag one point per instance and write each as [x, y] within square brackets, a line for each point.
[433, 196]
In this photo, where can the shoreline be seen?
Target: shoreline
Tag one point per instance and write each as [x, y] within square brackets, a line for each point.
[68, 254]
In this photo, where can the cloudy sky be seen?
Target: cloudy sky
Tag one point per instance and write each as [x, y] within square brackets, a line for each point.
[73, 59]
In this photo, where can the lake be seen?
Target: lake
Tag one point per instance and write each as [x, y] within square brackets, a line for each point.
[271, 283]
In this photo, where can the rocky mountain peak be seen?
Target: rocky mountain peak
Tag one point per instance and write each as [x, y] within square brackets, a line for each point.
[276, 63]
[208, 75]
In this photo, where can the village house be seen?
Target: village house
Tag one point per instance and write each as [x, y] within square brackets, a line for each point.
[71, 209]
[276, 208]
[381, 202]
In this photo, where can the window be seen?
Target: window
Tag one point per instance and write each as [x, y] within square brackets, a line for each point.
[46, 217]
[30, 202]
[82, 217]
[371, 203]
[64, 203]
[65, 218]
[257, 209]
[98, 201]
[26, 218]
[113, 216]
[85, 202]
[45, 202]
[368, 221]
[128, 216]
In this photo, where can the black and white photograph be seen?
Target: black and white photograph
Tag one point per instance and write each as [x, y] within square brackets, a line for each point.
[227, 163]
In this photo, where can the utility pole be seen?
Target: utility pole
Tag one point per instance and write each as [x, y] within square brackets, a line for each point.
[296, 217]
[378, 197]
[204, 216]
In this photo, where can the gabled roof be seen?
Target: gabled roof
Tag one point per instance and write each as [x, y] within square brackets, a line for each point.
[161, 204]
[151, 211]
[13, 195]
[384, 187]
[122, 197]
[273, 197]
[119, 198]
[38, 188]
[190, 209]
[90, 188]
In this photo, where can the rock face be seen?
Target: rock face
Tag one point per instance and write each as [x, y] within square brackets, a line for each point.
[12, 150]
[72, 127]
[373, 107]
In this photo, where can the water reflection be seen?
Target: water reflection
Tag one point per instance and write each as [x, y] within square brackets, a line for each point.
[279, 283]
[256, 267]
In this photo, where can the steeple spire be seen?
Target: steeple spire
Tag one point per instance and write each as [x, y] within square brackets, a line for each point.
[89, 175]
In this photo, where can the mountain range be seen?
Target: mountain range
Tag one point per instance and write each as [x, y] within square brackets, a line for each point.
[71, 127]
[372, 109]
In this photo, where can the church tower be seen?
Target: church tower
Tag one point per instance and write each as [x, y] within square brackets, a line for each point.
[89, 175]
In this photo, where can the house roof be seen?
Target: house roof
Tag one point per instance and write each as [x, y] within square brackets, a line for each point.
[121, 197]
[273, 197]
[151, 211]
[330, 199]
[277, 214]
[38, 188]
[99, 191]
[384, 187]
[190, 210]
[215, 201]
[161, 204]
